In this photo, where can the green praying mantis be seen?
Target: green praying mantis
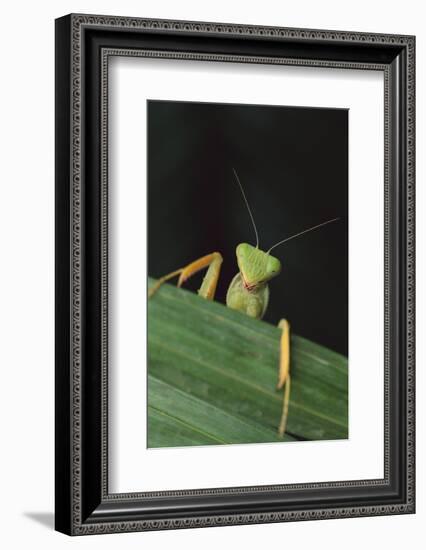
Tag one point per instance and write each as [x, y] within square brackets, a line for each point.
[248, 291]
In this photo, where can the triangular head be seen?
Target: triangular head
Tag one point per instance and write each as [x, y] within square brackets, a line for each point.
[256, 267]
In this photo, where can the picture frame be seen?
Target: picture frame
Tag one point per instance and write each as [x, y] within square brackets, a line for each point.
[84, 46]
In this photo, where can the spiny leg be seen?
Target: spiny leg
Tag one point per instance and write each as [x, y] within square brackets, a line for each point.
[162, 280]
[208, 287]
[284, 373]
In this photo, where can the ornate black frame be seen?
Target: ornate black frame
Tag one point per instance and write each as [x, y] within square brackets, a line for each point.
[83, 46]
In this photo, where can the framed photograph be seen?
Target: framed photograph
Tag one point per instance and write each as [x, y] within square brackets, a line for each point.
[234, 274]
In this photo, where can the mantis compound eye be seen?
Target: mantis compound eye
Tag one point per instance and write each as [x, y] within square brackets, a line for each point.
[273, 267]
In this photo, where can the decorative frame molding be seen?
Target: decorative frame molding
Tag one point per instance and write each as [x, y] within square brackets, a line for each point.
[84, 43]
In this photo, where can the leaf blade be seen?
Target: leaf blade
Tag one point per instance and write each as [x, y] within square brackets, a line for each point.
[206, 356]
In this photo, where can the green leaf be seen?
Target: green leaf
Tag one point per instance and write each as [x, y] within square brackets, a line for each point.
[212, 374]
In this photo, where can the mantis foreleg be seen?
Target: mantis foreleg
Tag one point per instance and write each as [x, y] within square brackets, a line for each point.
[208, 287]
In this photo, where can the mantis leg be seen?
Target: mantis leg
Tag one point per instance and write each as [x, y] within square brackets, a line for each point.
[208, 287]
[284, 372]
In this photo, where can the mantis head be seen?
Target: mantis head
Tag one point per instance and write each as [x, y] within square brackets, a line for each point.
[256, 267]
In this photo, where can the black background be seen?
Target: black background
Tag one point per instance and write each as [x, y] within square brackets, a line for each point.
[293, 164]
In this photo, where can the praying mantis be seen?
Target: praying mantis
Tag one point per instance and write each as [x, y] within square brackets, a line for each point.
[248, 291]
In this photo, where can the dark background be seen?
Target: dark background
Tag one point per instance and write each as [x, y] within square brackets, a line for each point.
[293, 164]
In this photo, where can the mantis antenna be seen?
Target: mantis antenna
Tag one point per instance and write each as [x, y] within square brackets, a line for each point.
[302, 233]
[248, 207]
